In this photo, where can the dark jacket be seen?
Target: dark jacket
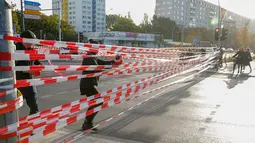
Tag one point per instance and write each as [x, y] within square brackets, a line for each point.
[92, 81]
[247, 57]
[20, 74]
[239, 57]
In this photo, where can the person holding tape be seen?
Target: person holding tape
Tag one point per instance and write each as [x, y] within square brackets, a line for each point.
[29, 93]
[88, 85]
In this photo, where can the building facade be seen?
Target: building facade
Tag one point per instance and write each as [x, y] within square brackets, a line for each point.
[84, 15]
[129, 39]
[194, 13]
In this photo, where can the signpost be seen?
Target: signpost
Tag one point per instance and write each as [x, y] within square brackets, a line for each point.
[32, 3]
[196, 40]
[30, 16]
[32, 10]
[32, 7]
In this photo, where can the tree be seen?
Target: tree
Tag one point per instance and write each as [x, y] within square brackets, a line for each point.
[244, 37]
[119, 23]
[166, 26]
[145, 26]
[48, 25]
[111, 20]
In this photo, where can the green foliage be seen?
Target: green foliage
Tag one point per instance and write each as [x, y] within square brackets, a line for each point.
[46, 27]
[202, 33]
[164, 26]
[120, 23]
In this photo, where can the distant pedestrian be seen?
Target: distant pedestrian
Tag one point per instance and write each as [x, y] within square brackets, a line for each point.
[88, 85]
[29, 93]
[238, 60]
[247, 58]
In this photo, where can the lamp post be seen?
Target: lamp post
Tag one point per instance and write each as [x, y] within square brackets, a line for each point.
[219, 23]
[59, 19]
[103, 28]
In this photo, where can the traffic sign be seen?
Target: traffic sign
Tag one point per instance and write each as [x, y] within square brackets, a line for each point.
[32, 3]
[31, 7]
[33, 12]
[195, 40]
[29, 16]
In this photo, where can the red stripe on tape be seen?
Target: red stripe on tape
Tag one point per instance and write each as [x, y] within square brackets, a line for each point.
[48, 42]
[5, 56]
[5, 68]
[17, 39]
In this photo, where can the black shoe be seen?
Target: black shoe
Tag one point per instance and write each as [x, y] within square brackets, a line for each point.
[86, 126]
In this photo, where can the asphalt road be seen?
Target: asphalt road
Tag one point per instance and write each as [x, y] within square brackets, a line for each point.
[210, 108]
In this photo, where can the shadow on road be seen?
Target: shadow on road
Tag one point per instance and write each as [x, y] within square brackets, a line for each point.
[234, 80]
[156, 107]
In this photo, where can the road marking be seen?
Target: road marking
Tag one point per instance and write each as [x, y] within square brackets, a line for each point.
[56, 94]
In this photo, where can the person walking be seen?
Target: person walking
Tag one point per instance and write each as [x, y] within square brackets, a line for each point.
[247, 58]
[29, 93]
[238, 60]
[88, 85]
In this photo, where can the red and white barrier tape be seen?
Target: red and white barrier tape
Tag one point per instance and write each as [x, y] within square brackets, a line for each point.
[86, 105]
[8, 109]
[57, 68]
[75, 118]
[73, 138]
[69, 120]
[43, 81]
[66, 44]
[105, 93]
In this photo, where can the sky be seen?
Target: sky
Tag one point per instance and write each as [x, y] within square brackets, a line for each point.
[137, 8]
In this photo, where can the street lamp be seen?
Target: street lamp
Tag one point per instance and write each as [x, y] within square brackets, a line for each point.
[60, 18]
[103, 28]
[219, 21]
[182, 33]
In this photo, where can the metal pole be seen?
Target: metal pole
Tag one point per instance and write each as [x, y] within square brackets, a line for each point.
[78, 36]
[22, 16]
[219, 23]
[41, 32]
[60, 18]
[7, 46]
[182, 33]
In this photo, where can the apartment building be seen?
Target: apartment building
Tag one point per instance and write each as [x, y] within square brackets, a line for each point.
[195, 13]
[84, 15]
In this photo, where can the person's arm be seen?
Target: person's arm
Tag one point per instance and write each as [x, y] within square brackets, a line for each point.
[235, 54]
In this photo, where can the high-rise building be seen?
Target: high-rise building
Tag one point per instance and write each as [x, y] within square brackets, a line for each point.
[194, 13]
[252, 26]
[84, 15]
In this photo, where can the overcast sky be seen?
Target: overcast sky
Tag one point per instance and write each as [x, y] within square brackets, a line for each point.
[139, 7]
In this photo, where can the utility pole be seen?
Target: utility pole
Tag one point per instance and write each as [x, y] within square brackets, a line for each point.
[22, 16]
[41, 34]
[219, 23]
[78, 37]
[7, 46]
[182, 33]
[60, 18]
